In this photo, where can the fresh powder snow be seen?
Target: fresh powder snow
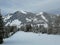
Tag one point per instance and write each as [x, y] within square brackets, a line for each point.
[29, 38]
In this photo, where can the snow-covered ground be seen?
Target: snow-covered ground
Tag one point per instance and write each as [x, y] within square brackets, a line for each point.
[29, 38]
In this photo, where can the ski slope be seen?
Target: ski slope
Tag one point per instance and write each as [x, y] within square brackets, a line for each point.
[29, 38]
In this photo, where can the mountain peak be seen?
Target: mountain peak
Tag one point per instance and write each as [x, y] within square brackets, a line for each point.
[24, 12]
[16, 12]
[21, 11]
[41, 13]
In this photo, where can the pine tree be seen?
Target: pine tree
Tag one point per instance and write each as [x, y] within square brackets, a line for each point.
[1, 29]
[57, 24]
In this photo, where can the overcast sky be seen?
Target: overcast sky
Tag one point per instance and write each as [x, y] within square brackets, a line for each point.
[29, 5]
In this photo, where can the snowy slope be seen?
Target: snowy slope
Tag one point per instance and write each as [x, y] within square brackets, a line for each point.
[28, 20]
[42, 15]
[44, 18]
[15, 22]
[7, 17]
[23, 38]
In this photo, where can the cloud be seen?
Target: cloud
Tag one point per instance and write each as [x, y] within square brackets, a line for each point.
[29, 5]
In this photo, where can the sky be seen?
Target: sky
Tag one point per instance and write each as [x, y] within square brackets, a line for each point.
[29, 5]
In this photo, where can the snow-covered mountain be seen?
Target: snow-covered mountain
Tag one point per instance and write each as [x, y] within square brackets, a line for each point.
[22, 17]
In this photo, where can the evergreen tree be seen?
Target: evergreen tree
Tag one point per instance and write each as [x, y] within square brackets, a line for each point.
[57, 24]
[1, 29]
